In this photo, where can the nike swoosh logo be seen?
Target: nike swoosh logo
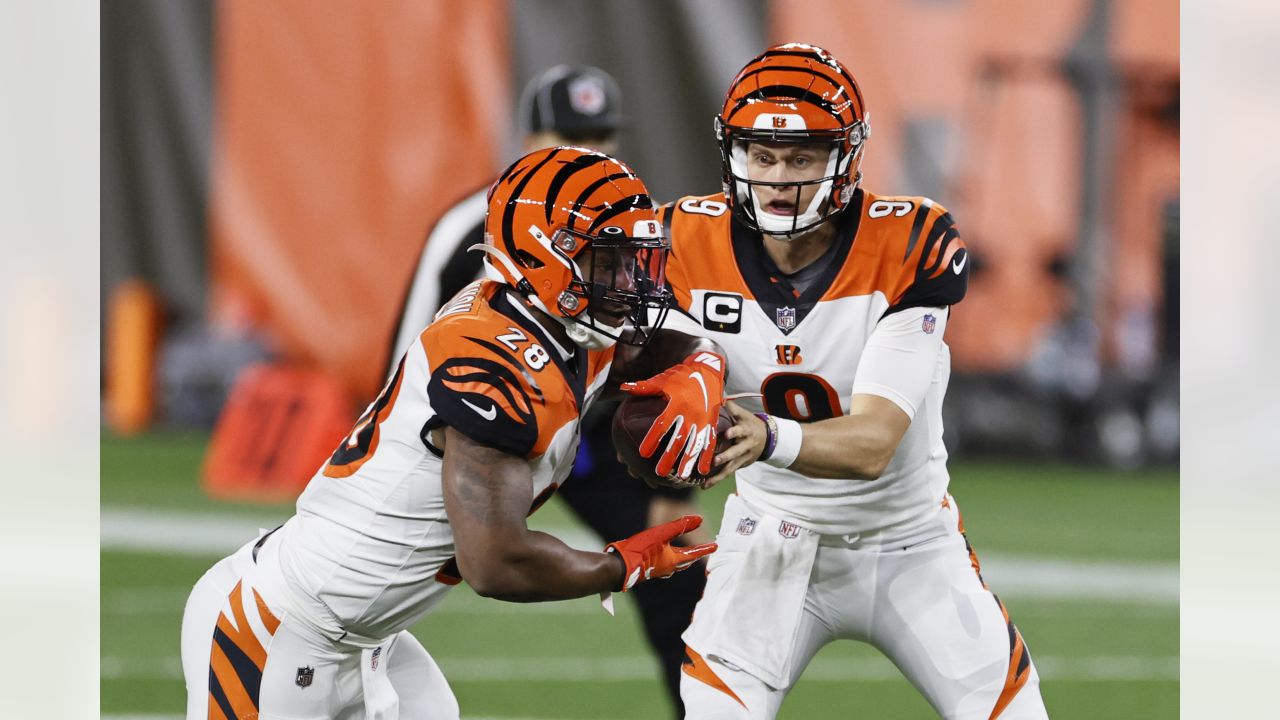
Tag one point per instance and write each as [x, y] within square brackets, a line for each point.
[706, 400]
[489, 414]
[958, 265]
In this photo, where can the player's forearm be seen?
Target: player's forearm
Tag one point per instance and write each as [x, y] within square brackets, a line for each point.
[667, 348]
[540, 567]
[852, 446]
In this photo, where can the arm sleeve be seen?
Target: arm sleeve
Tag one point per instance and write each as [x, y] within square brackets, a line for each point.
[901, 357]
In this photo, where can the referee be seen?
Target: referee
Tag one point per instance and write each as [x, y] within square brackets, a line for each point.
[568, 105]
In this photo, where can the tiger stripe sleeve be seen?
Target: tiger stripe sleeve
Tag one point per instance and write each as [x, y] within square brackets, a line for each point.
[480, 391]
[937, 261]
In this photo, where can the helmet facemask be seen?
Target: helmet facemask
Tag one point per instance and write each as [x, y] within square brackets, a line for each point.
[618, 291]
[835, 187]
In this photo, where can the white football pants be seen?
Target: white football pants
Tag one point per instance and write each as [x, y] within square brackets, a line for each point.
[246, 659]
[924, 606]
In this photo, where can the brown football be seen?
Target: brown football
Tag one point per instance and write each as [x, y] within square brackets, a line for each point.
[631, 423]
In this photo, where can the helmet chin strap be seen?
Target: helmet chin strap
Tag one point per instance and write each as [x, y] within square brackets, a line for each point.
[585, 336]
[580, 333]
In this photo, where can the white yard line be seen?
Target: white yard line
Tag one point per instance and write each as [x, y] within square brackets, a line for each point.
[1100, 668]
[174, 532]
[1012, 576]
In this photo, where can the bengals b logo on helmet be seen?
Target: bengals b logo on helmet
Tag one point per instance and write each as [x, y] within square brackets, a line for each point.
[551, 209]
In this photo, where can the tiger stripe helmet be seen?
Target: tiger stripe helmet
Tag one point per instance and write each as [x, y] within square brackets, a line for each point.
[793, 93]
[551, 206]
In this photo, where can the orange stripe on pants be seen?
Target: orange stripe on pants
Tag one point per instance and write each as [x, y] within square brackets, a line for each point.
[237, 659]
[698, 669]
[1019, 666]
[241, 704]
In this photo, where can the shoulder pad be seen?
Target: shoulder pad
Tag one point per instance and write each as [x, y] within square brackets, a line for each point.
[692, 218]
[470, 300]
[935, 261]
[710, 206]
[480, 387]
[699, 229]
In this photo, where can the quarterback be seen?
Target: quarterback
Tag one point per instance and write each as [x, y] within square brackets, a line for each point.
[474, 430]
[831, 302]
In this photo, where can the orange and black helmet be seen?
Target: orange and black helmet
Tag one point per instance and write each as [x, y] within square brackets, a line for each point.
[549, 208]
[793, 93]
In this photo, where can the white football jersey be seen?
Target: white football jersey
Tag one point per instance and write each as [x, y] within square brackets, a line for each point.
[370, 549]
[898, 261]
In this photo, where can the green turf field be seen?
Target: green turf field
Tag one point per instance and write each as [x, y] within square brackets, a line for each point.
[1106, 643]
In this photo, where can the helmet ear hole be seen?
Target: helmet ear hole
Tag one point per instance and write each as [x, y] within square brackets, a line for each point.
[528, 259]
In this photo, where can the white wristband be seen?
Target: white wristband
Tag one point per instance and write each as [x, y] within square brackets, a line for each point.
[790, 435]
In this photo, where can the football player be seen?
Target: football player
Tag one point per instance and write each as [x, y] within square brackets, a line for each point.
[831, 302]
[475, 429]
[582, 106]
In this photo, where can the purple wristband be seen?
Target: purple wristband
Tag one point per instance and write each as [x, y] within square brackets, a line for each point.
[770, 436]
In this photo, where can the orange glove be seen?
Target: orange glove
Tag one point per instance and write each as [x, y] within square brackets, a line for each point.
[650, 554]
[695, 392]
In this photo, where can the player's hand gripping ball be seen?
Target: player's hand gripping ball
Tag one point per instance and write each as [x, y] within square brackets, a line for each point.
[631, 423]
[688, 422]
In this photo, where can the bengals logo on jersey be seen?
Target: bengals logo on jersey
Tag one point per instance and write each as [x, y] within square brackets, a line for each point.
[788, 354]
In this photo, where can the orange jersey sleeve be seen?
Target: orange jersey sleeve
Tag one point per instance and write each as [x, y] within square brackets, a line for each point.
[677, 274]
[936, 261]
[494, 381]
[920, 260]
[701, 247]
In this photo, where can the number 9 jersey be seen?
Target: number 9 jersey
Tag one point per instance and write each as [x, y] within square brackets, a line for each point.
[802, 343]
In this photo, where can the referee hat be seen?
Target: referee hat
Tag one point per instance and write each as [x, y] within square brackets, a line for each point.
[571, 100]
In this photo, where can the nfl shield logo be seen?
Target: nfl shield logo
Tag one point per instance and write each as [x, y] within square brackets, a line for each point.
[746, 526]
[373, 659]
[788, 530]
[305, 676]
[930, 322]
[786, 317]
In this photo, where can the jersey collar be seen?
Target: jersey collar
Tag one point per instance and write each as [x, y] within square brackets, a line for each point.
[775, 298]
